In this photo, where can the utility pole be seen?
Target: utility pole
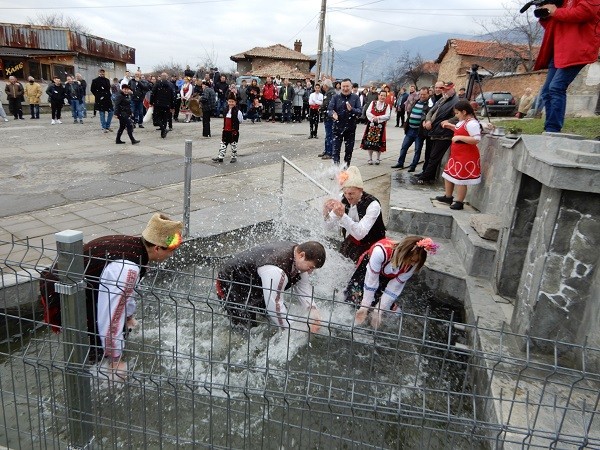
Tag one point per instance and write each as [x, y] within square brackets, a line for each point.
[320, 43]
[332, 58]
[362, 69]
[327, 60]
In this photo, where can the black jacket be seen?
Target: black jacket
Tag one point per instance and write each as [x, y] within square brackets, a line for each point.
[221, 88]
[163, 94]
[101, 89]
[122, 105]
[138, 89]
[74, 91]
[56, 94]
[442, 110]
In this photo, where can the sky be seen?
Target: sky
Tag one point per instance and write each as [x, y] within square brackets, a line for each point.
[195, 31]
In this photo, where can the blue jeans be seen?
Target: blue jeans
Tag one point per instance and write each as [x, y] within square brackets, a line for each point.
[137, 108]
[104, 120]
[221, 103]
[286, 111]
[76, 109]
[554, 94]
[328, 136]
[412, 136]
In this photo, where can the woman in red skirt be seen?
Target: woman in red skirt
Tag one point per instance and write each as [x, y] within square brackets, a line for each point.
[463, 167]
[373, 140]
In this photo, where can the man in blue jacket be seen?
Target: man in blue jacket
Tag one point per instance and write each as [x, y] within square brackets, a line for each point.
[345, 110]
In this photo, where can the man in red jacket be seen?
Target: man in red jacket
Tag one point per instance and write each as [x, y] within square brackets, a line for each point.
[269, 97]
[571, 40]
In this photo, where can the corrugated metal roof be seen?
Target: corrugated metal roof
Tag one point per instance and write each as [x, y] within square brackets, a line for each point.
[63, 39]
[31, 53]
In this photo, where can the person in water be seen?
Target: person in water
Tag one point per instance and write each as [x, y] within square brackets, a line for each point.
[253, 282]
[381, 274]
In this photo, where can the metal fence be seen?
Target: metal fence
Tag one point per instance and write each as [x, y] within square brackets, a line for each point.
[424, 380]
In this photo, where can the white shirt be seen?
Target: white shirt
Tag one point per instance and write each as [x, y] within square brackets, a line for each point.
[274, 281]
[316, 98]
[384, 118]
[394, 288]
[115, 303]
[240, 115]
[358, 229]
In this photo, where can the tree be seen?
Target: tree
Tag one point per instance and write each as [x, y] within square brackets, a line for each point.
[57, 19]
[517, 34]
[408, 68]
[169, 67]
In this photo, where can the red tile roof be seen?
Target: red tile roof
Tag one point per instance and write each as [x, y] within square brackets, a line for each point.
[276, 51]
[485, 49]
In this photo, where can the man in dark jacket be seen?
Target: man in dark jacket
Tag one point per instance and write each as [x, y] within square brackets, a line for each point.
[345, 110]
[75, 96]
[328, 93]
[123, 112]
[138, 91]
[102, 102]
[286, 95]
[207, 99]
[221, 87]
[253, 283]
[14, 92]
[441, 138]
[163, 100]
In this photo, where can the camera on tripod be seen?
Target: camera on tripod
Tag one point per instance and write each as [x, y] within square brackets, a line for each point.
[540, 12]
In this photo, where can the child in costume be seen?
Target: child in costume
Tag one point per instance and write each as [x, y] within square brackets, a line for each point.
[231, 130]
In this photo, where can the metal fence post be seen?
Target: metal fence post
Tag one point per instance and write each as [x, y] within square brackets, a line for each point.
[76, 342]
[187, 187]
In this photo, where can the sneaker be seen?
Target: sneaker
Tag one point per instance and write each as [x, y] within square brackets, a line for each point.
[110, 129]
[6, 120]
[320, 155]
[444, 199]
[59, 121]
[51, 123]
[233, 159]
[105, 131]
[163, 134]
[217, 159]
[370, 162]
[377, 162]
[398, 166]
[457, 205]
[326, 157]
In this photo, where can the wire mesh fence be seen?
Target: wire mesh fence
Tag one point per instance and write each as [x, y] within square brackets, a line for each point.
[424, 380]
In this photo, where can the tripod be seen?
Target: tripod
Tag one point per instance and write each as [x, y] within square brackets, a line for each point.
[475, 79]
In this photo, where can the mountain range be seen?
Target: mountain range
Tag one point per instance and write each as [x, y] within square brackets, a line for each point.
[376, 58]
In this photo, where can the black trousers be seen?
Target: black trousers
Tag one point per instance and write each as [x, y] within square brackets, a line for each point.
[163, 115]
[348, 135]
[438, 148]
[125, 123]
[15, 108]
[206, 113]
[313, 117]
[56, 109]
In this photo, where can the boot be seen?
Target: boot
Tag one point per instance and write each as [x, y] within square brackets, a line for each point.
[233, 152]
[221, 155]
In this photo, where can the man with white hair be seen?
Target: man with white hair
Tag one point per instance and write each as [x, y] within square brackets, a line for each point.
[14, 93]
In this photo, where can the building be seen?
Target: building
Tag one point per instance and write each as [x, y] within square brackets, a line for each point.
[460, 55]
[275, 60]
[43, 52]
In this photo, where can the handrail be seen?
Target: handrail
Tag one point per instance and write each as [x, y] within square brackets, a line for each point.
[285, 161]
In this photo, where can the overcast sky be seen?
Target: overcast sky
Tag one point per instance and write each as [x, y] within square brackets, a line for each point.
[190, 32]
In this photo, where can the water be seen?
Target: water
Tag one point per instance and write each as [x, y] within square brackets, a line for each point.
[193, 380]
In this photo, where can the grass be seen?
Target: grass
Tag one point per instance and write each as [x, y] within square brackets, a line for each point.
[588, 127]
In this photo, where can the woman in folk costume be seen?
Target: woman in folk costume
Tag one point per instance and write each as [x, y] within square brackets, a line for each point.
[187, 89]
[381, 274]
[463, 167]
[378, 113]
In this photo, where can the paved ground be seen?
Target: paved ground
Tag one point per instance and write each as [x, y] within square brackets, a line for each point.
[73, 176]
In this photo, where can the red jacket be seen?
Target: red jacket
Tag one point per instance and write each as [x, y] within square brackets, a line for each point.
[571, 35]
[269, 91]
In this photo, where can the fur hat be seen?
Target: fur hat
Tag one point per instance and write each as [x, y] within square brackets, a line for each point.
[350, 178]
[163, 232]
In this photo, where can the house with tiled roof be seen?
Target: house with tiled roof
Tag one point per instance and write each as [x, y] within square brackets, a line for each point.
[459, 55]
[275, 60]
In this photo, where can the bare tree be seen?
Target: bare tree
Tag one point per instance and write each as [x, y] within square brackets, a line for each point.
[408, 68]
[518, 35]
[57, 19]
[169, 67]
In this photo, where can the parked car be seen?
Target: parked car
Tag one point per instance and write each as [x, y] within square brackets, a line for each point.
[496, 103]
[248, 78]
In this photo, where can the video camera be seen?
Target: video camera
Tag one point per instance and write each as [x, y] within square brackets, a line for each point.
[540, 12]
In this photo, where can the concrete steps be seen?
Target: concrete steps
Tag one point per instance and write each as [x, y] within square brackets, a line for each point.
[413, 210]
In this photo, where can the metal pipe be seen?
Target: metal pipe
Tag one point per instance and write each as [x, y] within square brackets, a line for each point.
[302, 172]
[69, 245]
[187, 187]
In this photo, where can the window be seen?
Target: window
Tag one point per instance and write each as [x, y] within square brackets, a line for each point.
[34, 69]
[46, 72]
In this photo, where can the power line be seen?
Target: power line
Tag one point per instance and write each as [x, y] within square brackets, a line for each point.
[63, 7]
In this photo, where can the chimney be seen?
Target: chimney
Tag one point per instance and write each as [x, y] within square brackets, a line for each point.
[298, 46]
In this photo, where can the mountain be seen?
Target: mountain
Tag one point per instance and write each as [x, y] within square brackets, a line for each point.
[380, 56]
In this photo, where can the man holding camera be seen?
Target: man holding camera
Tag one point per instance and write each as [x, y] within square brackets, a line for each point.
[571, 40]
